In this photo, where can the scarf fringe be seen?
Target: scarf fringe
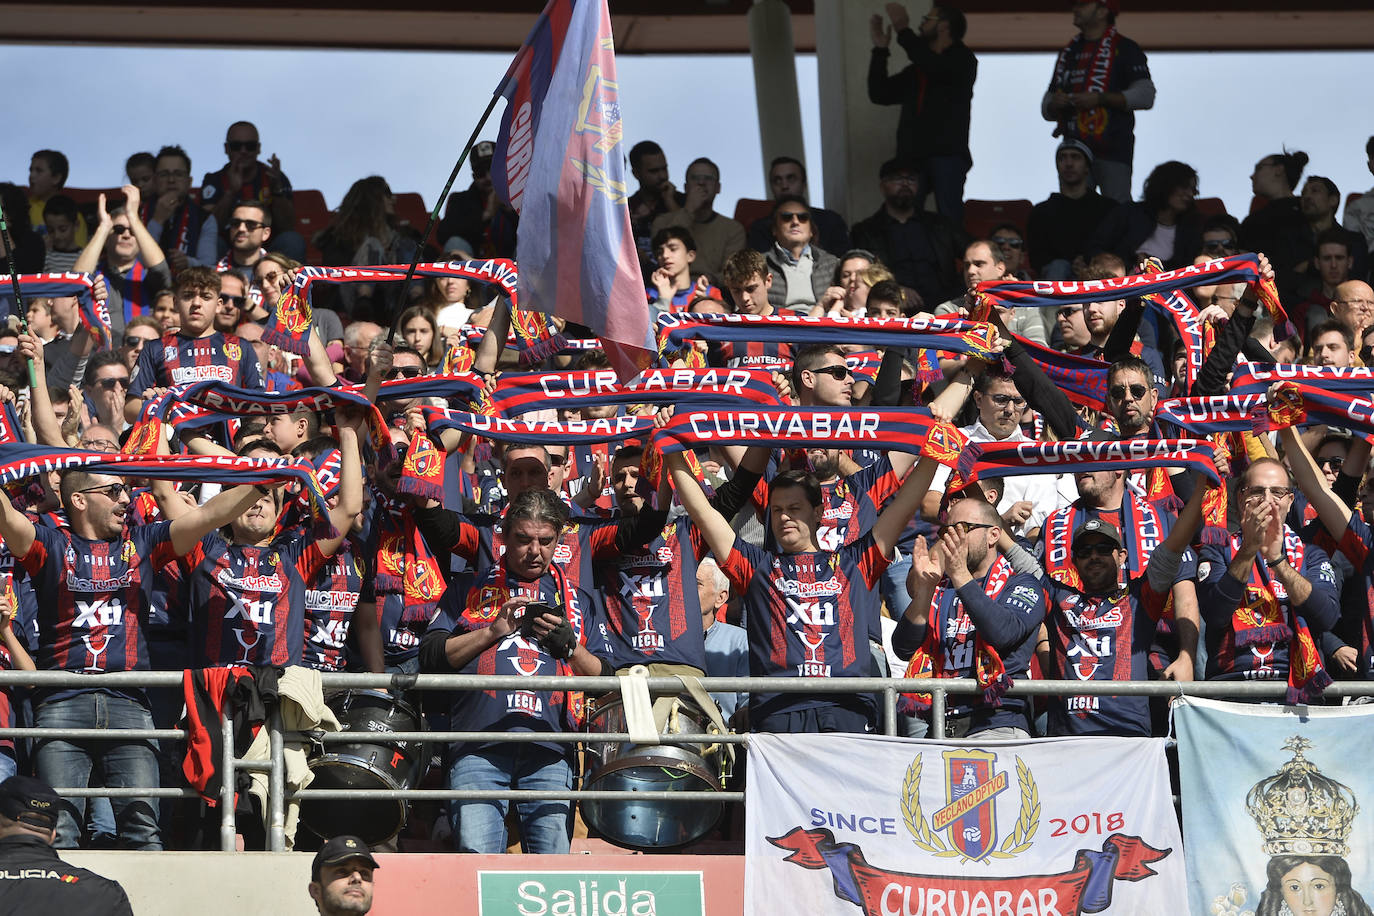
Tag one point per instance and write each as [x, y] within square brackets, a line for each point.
[1269, 634]
[1302, 695]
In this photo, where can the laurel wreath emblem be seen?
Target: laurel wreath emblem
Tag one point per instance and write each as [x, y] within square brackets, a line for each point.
[1017, 842]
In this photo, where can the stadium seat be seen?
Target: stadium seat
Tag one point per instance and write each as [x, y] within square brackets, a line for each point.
[312, 215]
[1258, 203]
[747, 210]
[981, 215]
[412, 212]
[1210, 206]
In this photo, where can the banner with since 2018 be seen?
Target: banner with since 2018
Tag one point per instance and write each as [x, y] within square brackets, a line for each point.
[896, 827]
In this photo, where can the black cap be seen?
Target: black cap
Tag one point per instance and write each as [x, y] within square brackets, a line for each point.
[32, 801]
[1101, 529]
[898, 166]
[340, 849]
[483, 149]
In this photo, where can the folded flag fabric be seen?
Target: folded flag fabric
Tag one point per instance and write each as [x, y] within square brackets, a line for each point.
[463, 386]
[517, 394]
[20, 460]
[954, 335]
[1187, 322]
[1082, 378]
[907, 429]
[536, 432]
[982, 460]
[1240, 268]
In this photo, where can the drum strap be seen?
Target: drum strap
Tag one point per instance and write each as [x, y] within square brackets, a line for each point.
[639, 714]
[703, 699]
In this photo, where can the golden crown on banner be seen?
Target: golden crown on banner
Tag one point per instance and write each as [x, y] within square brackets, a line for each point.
[1301, 812]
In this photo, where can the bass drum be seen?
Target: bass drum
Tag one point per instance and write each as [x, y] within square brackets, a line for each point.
[627, 767]
[366, 764]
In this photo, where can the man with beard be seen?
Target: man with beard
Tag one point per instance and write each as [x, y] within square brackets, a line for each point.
[918, 247]
[341, 877]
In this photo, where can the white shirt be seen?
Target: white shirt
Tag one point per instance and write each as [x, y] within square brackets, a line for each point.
[1040, 490]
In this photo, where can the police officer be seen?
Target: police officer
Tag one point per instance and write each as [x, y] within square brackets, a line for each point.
[32, 877]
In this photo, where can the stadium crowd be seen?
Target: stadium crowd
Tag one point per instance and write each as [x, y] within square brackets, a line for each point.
[726, 560]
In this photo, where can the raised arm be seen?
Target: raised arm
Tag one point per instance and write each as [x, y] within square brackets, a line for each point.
[16, 530]
[493, 342]
[350, 501]
[715, 529]
[1330, 508]
[45, 425]
[215, 513]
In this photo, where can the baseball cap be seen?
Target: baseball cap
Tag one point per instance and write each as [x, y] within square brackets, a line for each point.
[1077, 145]
[340, 849]
[1100, 528]
[32, 801]
[898, 166]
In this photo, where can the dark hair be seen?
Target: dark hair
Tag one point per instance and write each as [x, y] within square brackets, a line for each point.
[1002, 227]
[539, 505]
[668, 233]
[789, 199]
[641, 149]
[250, 430]
[702, 160]
[137, 159]
[1222, 221]
[789, 160]
[809, 357]
[99, 361]
[312, 448]
[1271, 899]
[625, 453]
[56, 163]
[958, 23]
[194, 279]
[16, 203]
[850, 255]
[60, 205]
[1325, 182]
[994, 250]
[591, 360]
[262, 445]
[994, 372]
[888, 291]
[174, 151]
[1163, 180]
[1326, 327]
[1332, 439]
[803, 479]
[1129, 363]
[258, 205]
[742, 265]
[1334, 236]
[1292, 163]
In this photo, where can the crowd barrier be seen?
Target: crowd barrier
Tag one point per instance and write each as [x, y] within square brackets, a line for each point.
[887, 688]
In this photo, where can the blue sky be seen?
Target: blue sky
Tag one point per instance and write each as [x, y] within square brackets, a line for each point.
[335, 116]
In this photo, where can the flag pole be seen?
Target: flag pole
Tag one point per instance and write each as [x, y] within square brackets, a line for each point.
[14, 283]
[442, 199]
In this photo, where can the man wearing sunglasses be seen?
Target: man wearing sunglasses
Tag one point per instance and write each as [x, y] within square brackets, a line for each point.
[964, 567]
[107, 386]
[94, 579]
[1253, 586]
[801, 269]
[248, 229]
[124, 251]
[247, 178]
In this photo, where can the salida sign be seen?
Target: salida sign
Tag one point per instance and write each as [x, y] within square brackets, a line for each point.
[582, 893]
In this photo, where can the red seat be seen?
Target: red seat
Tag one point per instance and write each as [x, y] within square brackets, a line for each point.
[1258, 203]
[980, 216]
[1210, 206]
[312, 216]
[748, 210]
[411, 212]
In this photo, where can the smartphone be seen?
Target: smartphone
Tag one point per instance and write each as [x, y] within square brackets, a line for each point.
[530, 613]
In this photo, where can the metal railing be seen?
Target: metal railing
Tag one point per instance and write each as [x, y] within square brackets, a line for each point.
[940, 690]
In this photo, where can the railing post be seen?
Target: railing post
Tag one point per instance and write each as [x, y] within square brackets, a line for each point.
[227, 795]
[890, 710]
[276, 784]
[937, 712]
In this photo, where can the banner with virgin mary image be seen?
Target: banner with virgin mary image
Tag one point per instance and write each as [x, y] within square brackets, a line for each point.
[1278, 808]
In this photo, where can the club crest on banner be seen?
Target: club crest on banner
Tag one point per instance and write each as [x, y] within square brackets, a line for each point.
[969, 818]
[599, 115]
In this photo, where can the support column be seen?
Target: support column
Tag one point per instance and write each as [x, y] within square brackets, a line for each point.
[775, 82]
[856, 135]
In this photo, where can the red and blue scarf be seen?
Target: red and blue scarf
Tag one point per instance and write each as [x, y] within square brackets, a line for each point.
[983, 460]
[536, 432]
[517, 394]
[1296, 405]
[95, 315]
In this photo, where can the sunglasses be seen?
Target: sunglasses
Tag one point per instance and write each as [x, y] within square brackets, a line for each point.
[962, 527]
[838, 373]
[1218, 244]
[111, 491]
[119, 229]
[1118, 392]
[242, 146]
[237, 301]
[1099, 549]
[109, 384]
[1006, 241]
[133, 343]
[1068, 311]
[793, 216]
[251, 225]
[1002, 400]
[404, 372]
[1335, 461]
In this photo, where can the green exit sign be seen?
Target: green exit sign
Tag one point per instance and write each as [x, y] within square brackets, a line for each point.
[598, 893]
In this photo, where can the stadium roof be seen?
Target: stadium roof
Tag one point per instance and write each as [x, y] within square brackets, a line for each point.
[656, 27]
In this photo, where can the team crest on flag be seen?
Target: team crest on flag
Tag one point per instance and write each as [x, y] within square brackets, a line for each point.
[599, 115]
[969, 817]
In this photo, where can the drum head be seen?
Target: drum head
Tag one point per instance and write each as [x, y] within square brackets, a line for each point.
[651, 824]
[374, 821]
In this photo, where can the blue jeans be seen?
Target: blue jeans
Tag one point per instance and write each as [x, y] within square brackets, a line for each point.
[480, 826]
[7, 765]
[125, 764]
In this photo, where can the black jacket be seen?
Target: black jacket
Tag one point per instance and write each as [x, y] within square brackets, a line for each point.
[936, 95]
[920, 252]
[33, 879]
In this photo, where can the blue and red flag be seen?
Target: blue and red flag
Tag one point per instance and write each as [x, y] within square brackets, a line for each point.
[559, 164]
[94, 314]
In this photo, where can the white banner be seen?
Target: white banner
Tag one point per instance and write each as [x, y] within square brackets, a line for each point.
[1283, 826]
[898, 827]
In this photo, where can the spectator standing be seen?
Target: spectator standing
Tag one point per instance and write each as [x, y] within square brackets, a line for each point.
[1100, 80]
[1276, 225]
[1165, 224]
[935, 93]
[1061, 225]
[650, 168]
[126, 254]
[1319, 202]
[717, 236]
[485, 223]
[917, 246]
[787, 176]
